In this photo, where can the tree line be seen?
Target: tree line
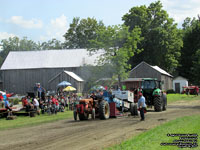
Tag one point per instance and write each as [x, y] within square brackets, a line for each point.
[147, 34]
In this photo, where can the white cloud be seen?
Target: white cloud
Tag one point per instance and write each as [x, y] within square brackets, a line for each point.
[56, 29]
[180, 9]
[29, 24]
[5, 35]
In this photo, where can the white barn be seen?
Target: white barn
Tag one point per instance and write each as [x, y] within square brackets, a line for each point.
[178, 84]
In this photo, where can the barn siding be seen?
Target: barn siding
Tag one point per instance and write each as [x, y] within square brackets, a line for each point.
[23, 80]
[168, 83]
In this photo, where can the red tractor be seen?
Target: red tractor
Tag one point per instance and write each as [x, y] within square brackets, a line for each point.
[192, 90]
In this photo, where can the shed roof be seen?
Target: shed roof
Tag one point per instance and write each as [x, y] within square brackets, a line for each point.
[154, 67]
[48, 59]
[73, 75]
[180, 78]
[161, 71]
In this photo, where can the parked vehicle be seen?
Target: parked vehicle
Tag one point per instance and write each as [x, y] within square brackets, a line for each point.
[192, 90]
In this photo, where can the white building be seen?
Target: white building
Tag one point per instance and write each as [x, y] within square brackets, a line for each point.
[178, 84]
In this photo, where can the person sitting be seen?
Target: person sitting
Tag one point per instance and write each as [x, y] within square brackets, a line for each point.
[7, 106]
[36, 105]
[54, 104]
[26, 104]
[93, 96]
[1, 101]
[62, 101]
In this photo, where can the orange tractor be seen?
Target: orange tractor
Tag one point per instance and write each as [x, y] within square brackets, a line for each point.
[97, 107]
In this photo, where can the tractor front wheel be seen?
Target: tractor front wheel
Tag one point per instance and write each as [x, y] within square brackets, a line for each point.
[83, 116]
[104, 110]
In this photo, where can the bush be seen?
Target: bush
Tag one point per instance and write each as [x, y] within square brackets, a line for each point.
[170, 91]
[15, 101]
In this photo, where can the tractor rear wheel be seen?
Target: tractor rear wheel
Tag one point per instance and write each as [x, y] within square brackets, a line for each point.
[133, 109]
[157, 103]
[104, 110]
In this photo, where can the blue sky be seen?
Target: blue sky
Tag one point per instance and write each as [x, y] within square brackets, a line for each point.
[42, 20]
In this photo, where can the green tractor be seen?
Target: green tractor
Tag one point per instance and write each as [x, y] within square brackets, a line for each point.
[153, 94]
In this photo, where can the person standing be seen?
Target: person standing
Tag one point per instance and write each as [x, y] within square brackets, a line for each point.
[40, 92]
[141, 106]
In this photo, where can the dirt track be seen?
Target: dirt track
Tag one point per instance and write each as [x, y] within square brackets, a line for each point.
[91, 134]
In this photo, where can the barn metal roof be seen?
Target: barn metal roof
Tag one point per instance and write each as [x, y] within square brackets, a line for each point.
[48, 59]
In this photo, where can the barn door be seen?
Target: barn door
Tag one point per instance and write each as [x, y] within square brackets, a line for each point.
[177, 88]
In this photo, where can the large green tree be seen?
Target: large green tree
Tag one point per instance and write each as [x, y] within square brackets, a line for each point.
[116, 45]
[190, 53]
[16, 44]
[162, 40]
[81, 31]
[51, 44]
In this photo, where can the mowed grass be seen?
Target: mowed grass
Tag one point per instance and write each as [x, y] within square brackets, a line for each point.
[177, 97]
[23, 121]
[150, 140]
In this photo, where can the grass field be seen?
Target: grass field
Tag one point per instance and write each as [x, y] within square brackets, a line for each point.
[176, 97]
[22, 121]
[152, 139]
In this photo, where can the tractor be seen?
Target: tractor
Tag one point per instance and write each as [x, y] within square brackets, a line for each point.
[96, 106]
[153, 94]
[108, 104]
[192, 90]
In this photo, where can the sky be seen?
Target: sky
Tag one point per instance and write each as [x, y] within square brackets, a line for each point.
[42, 20]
